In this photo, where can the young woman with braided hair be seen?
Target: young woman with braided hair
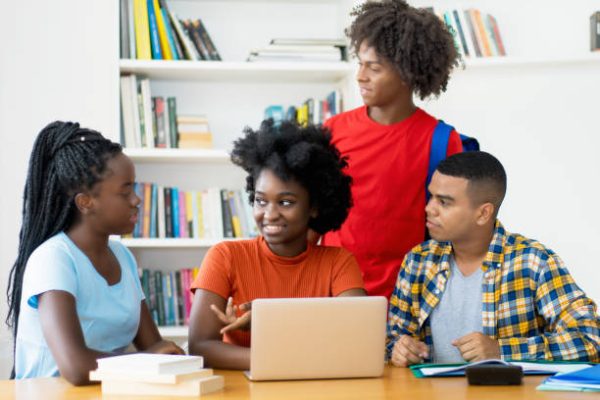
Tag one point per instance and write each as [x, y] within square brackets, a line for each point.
[74, 296]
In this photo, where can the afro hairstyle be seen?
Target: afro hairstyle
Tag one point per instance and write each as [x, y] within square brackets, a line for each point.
[303, 154]
[415, 41]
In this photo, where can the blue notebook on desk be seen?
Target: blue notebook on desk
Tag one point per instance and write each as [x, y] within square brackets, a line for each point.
[585, 379]
[529, 367]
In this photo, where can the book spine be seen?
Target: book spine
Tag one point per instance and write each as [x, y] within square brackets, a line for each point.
[194, 34]
[159, 112]
[177, 53]
[153, 211]
[137, 230]
[188, 46]
[172, 105]
[168, 213]
[227, 223]
[152, 290]
[470, 18]
[208, 43]
[162, 32]
[158, 277]
[180, 320]
[142, 30]
[497, 36]
[131, 26]
[189, 214]
[175, 211]
[124, 29]
[154, 40]
[487, 50]
[183, 232]
[461, 34]
[147, 208]
[162, 230]
[489, 31]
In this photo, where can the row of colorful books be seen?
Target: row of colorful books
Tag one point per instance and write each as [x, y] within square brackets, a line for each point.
[152, 121]
[294, 50]
[151, 31]
[168, 212]
[168, 295]
[476, 34]
[311, 111]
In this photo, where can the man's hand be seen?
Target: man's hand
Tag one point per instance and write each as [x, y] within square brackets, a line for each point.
[476, 347]
[408, 351]
[230, 319]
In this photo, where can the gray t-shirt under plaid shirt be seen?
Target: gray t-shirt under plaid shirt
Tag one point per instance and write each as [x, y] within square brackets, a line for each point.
[457, 314]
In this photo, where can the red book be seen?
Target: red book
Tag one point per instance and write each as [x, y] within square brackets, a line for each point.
[497, 37]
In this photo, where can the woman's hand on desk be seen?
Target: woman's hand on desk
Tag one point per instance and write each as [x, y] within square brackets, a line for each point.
[164, 347]
[230, 318]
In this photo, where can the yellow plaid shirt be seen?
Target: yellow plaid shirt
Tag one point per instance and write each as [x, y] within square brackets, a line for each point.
[531, 304]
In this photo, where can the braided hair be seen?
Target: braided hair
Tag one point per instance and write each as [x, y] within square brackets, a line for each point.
[66, 159]
[415, 41]
[304, 154]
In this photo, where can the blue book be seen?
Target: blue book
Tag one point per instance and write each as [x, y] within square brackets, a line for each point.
[139, 191]
[175, 211]
[585, 378]
[154, 212]
[154, 41]
[170, 36]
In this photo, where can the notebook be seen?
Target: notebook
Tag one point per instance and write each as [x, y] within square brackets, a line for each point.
[317, 338]
[529, 368]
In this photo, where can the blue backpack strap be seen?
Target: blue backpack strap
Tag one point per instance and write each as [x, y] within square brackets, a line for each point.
[439, 148]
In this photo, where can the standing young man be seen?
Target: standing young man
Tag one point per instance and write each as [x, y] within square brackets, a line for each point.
[402, 52]
[475, 291]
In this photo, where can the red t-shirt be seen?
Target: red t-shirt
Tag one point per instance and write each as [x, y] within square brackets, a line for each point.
[388, 165]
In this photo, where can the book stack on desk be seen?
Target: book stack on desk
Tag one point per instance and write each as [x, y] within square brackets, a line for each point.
[156, 374]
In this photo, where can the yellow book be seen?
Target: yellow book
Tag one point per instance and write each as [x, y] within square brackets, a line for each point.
[201, 232]
[142, 30]
[189, 213]
[235, 216]
[162, 32]
[302, 115]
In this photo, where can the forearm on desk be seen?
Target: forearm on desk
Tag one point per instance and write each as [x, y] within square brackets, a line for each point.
[218, 354]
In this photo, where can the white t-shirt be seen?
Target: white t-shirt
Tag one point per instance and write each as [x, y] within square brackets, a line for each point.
[109, 315]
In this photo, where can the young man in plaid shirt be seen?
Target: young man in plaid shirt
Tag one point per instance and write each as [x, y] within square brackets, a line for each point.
[475, 291]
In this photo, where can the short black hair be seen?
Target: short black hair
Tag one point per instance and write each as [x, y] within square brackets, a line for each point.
[415, 41]
[66, 159]
[304, 154]
[485, 173]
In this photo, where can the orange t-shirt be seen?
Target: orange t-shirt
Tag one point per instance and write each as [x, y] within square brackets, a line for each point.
[247, 269]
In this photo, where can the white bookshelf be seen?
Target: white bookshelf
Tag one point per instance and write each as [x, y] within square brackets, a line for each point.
[173, 331]
[541, 61]
[271, 72]
[174, 243]
[183, 156]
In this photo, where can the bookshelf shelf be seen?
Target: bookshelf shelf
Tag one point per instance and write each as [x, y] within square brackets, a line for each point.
[173, 331]
[175, 243]
[156, 156]
[511, 61]
[238, 71]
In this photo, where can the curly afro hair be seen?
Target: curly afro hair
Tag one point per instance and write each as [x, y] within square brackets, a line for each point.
[304, 154]
[413, 40]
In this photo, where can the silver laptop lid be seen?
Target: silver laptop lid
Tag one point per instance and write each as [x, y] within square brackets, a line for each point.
[311, 338]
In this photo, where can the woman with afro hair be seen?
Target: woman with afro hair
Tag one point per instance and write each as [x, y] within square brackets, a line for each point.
[402, 52]
[295, 183]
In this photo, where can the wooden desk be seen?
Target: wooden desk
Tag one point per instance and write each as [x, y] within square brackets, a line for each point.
[397, 384]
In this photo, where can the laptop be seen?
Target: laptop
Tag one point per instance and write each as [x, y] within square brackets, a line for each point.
[317, 338]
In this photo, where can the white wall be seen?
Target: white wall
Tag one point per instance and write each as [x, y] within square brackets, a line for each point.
[541, 122]
[58, 62]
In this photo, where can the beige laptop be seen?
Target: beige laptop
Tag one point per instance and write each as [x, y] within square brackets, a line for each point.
[317, 338]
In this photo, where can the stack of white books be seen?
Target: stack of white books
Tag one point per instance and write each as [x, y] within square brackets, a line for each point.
[316, 50]
[144, 374]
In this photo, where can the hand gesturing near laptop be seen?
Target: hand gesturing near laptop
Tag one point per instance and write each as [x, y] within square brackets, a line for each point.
[230, 318]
